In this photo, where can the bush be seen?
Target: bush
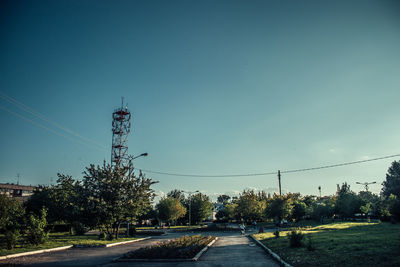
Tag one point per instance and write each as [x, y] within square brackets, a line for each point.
[310, 246]
[79, 228]
[110, 236]
[295, 239]
[276, 234]
[102, 236]
[184, 247]
[132, 231]
[11, 238]
[36, 228]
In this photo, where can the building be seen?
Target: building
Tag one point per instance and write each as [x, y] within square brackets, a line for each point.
[20, 192]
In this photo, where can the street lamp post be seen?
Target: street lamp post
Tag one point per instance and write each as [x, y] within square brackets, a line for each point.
[131, 158]
[366, 185]
[190, 204]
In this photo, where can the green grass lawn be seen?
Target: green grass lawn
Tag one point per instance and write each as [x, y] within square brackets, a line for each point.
[341, 244]
[60, 240]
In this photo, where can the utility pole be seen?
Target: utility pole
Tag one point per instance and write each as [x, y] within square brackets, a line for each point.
[18, 178]
[279, 180]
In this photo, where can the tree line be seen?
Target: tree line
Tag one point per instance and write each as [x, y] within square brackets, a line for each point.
[108, 196]
[103, 199]
[345, 204]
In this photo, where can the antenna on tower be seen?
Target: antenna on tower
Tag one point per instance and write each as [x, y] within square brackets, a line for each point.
[121, 126]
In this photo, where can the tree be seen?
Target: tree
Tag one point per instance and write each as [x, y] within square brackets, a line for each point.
[323, 207]
[201, 207]
[115, 195]
[347, 202]
[223, 199]
[250, 207]
[178, 194]
[392, 183]
[67, 201]
[228, 212]
[299, 210]
[11, 220]
[43, 196]
[279, 207]
[36, 228]
[170, 209]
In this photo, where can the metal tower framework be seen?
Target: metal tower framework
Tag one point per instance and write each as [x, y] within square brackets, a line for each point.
[121, 127]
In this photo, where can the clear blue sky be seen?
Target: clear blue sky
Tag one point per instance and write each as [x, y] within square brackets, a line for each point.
[215, 87]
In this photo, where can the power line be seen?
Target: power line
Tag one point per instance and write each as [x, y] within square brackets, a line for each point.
[41, 126]
[46, 119]
[268, 173]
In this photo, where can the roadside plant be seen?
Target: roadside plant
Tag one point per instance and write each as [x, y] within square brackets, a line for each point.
[36, 228]
[79, 228]
[11, 220]
[277, 234]
[295, 239]
[11, 237]
[102, 236]
[310, 245]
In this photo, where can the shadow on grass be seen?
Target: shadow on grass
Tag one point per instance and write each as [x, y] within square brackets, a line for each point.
[343, 244]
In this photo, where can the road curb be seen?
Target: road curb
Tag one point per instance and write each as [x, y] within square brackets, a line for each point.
[198, 255]
[195, 258]
[270, 252]
[67, 247]
[34, 252]
[126, 242]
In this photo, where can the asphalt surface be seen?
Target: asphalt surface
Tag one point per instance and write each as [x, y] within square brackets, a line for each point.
[231, 249]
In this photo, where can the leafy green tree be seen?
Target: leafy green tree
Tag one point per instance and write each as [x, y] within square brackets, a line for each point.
[222, 215]
[178, 194]
[228, 213]
[67, 201]
[382, 209]
[115, 195]
[279, 207]
[11, 220]
[365, 209]
[394, 207]
[250, 207]
[223, 199]
[44, 196]
[299, 210]
[201, 207]
[392, 183]
[170, 209]
[391, 190]
[347, 202]
[323, 207]
[36, 228]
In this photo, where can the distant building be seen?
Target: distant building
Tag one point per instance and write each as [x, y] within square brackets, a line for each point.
[20, 192]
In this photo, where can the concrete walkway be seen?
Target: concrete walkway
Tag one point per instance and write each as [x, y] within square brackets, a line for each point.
[231, 249]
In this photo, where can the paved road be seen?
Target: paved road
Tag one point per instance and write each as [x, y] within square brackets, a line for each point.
[231, 249]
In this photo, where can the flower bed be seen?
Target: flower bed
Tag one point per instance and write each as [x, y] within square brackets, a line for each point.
[185, 247]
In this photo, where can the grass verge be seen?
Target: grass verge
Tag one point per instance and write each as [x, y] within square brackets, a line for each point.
[340, 244]
[60, 240]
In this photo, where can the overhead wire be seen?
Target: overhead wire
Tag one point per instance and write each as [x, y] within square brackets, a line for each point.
[98, 146]
[46, 119]
[268, 173]
[39, 125]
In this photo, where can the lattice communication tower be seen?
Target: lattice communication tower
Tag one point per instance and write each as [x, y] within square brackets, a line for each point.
[121, 126]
